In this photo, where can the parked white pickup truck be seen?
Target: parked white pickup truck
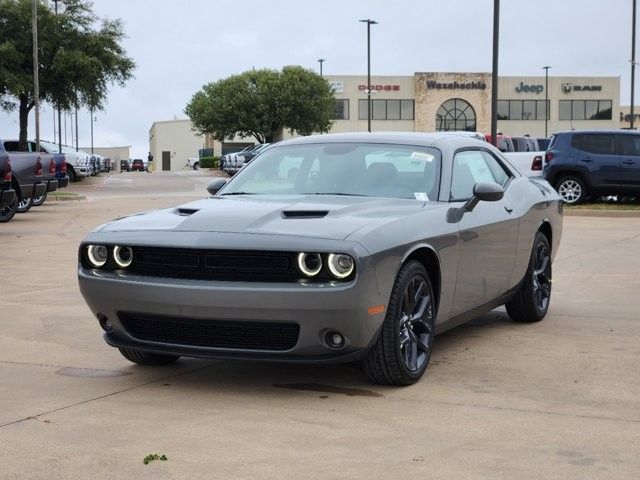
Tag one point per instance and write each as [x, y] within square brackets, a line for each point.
[529, 163]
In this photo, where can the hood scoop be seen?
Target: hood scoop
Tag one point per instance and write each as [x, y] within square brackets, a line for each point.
[185, 212]
[305, 213]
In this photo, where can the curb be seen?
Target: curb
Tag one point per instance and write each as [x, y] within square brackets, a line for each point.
[585, 212]
[66, 198]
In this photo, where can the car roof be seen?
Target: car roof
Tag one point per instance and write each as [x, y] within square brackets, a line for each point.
[401, 138]
[610, 131]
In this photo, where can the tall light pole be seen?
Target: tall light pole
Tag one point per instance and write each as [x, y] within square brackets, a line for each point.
[77, 128]
[633, 63]
[546, 99]
[321, 61]
[91, 110]
[55, 2]
[36, 76]
[494, 73]
[369, 22]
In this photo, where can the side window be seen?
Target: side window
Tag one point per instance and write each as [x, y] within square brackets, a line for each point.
[471, 167]
[598, 144]
[630, 145]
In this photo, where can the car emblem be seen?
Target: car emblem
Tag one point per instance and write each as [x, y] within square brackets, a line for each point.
[566, 87]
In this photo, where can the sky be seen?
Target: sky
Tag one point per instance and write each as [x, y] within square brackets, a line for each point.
[181, 45]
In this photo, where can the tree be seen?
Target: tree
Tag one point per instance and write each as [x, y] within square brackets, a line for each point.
[80, 56]
[261, 103]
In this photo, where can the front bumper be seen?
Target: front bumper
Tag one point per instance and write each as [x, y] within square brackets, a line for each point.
[6, 197]
[316, 308]
[81, 171]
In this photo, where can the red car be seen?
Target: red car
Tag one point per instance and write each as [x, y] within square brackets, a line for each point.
[138, 165]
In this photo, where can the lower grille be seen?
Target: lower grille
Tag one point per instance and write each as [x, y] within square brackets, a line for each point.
[211, 333]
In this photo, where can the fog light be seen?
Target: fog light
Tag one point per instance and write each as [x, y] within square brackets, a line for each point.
[334, 339]
[340, 265]
[105, 323]
[309, 264]
[123, 256]
[97, 255]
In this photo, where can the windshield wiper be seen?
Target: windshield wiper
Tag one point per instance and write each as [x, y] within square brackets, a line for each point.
[336, 193]
[237, 193]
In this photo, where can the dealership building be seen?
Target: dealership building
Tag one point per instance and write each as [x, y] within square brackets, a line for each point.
[427, 102]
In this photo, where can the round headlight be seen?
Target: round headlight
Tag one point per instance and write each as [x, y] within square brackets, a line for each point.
[123, 256]
[309, 264]
[340, 265]
[97, 255]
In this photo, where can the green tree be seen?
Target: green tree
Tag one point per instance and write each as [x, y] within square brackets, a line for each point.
[80, 56]
[262, 103]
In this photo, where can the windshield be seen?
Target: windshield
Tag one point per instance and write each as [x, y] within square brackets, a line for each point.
[363, 169]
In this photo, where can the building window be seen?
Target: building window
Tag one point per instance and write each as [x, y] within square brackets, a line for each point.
[455, 114]
[340, 109]
[522, 110]
[386, 109]
[585, 109]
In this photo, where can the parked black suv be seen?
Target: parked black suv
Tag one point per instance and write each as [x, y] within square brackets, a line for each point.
[580, 164]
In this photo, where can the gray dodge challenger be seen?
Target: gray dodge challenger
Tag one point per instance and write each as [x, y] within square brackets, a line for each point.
[329, 248]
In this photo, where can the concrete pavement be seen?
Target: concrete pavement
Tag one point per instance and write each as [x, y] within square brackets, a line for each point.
[554, 400]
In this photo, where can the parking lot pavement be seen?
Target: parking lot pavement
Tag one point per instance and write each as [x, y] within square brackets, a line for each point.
[553, 400]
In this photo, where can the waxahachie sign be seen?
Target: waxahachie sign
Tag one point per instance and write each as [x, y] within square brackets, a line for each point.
[431, 85]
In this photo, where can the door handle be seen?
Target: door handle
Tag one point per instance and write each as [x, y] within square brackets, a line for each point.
[508, 209]
[587, 160]
[629, 162]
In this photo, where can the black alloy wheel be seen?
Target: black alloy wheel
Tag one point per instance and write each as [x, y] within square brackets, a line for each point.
[7, 213]
[531, 302]
[401, 354]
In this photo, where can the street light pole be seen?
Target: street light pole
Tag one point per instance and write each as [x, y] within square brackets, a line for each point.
[633, 63]
[36, 79]
[91, 130]
[494, 73]
[369, 22]
[321, 61]
[77, 128]
[546, 100]
[55, 2]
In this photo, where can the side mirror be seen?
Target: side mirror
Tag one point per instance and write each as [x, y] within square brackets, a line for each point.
[216, 185]
[485, 192]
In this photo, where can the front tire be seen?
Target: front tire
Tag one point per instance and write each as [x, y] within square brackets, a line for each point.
[72, 175]
[25, 205]
[196, 165]
[147, 358]
[37, 201]
[531, 302]
[572, 189]
[401, 354]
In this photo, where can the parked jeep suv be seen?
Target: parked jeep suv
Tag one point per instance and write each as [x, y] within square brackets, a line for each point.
[580, 164]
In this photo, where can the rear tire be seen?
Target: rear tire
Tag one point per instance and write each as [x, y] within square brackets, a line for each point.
[531, 302]
[401, 354]
[25, 205]
[571, 189]
[8, 212]
[37, 201]
[147, 358]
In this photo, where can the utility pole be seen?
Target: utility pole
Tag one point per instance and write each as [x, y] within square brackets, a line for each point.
[369, 22]
[633, 63]
[91, 110]
[77, 128]
[36, 79]
[546, 100]
[321, 61]
[494, 73]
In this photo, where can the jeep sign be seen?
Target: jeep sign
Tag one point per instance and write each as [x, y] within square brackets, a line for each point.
[522, 88]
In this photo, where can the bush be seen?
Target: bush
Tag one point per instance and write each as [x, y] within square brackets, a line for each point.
[209, 162]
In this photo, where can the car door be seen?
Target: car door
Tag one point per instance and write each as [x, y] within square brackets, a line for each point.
[597, 153]
[488, 233]
[629, 148]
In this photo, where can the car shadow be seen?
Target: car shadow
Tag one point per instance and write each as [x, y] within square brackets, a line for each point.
[247, 377]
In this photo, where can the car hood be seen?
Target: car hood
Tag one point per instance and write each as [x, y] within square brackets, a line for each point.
[331, 217]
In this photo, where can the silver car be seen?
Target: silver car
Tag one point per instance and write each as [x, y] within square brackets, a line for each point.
[329, 248]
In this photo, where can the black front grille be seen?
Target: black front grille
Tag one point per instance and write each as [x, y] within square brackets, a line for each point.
[195, 332]
[229, 265]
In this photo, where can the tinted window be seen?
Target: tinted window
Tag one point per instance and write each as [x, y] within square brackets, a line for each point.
[630, 145]
[471, 167]
[393, 109]
[598, 144]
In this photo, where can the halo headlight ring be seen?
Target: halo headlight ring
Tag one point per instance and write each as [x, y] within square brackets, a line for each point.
[97, 255]
[123, 256]
[340, 265]
[310, 264]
